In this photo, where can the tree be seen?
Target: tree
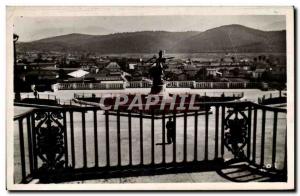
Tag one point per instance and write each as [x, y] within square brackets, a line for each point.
[265, 76]
[171, 76]
[259, 58]
[221, 61]
[253, 67]
[236, 71]
[233, 59]
[62, 74]
[123, 62]
[201, 74]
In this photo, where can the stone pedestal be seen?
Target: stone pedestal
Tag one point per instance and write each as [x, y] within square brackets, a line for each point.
[158, 89]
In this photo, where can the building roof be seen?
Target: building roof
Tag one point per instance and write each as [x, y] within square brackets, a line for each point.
[37, 64]
[260, 70]
[132, 65]
[108, 78]
[113, 65]
[211, 69]
[78, 73]
[41, 73]
[116, 73]
[191, 68]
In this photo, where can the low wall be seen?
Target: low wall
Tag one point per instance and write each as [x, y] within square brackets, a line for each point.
[169, 84]
[88, 86]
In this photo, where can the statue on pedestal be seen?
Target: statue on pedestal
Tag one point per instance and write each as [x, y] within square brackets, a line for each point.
[157, 74]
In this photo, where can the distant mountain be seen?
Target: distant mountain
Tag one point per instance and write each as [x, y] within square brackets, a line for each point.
[229, 38]
[234, 38]
[275, 26]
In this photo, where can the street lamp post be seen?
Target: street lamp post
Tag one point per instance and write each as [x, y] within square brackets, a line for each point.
[16, 75]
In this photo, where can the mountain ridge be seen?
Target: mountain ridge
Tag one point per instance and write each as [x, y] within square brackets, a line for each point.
[227, 38]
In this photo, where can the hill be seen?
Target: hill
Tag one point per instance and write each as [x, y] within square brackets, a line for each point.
[234, 38]
[229, 38]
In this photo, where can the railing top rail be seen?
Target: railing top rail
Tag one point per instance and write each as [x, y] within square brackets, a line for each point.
[92, 108]
[24, 114]
[37, 107]
[269, 108]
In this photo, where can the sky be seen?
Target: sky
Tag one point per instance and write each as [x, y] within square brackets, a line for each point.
[35, 28]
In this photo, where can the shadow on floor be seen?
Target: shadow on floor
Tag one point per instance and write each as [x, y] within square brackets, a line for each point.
[240, 172]
[243, 172]
[110, 172]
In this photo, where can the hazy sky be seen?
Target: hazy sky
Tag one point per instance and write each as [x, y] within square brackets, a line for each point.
[34, 28]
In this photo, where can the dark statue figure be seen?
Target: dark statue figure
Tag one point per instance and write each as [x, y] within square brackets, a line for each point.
[157, 74]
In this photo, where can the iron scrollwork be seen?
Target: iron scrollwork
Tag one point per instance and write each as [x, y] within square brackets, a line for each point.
[236, 132]
[50, 143]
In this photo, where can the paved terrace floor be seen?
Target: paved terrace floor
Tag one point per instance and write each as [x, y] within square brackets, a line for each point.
[230, 175]
[168, 178]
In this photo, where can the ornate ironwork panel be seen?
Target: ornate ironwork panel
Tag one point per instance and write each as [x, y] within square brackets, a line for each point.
[50, 143]
[236, 131]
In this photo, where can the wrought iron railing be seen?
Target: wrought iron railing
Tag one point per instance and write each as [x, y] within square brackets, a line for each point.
[57, 144]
